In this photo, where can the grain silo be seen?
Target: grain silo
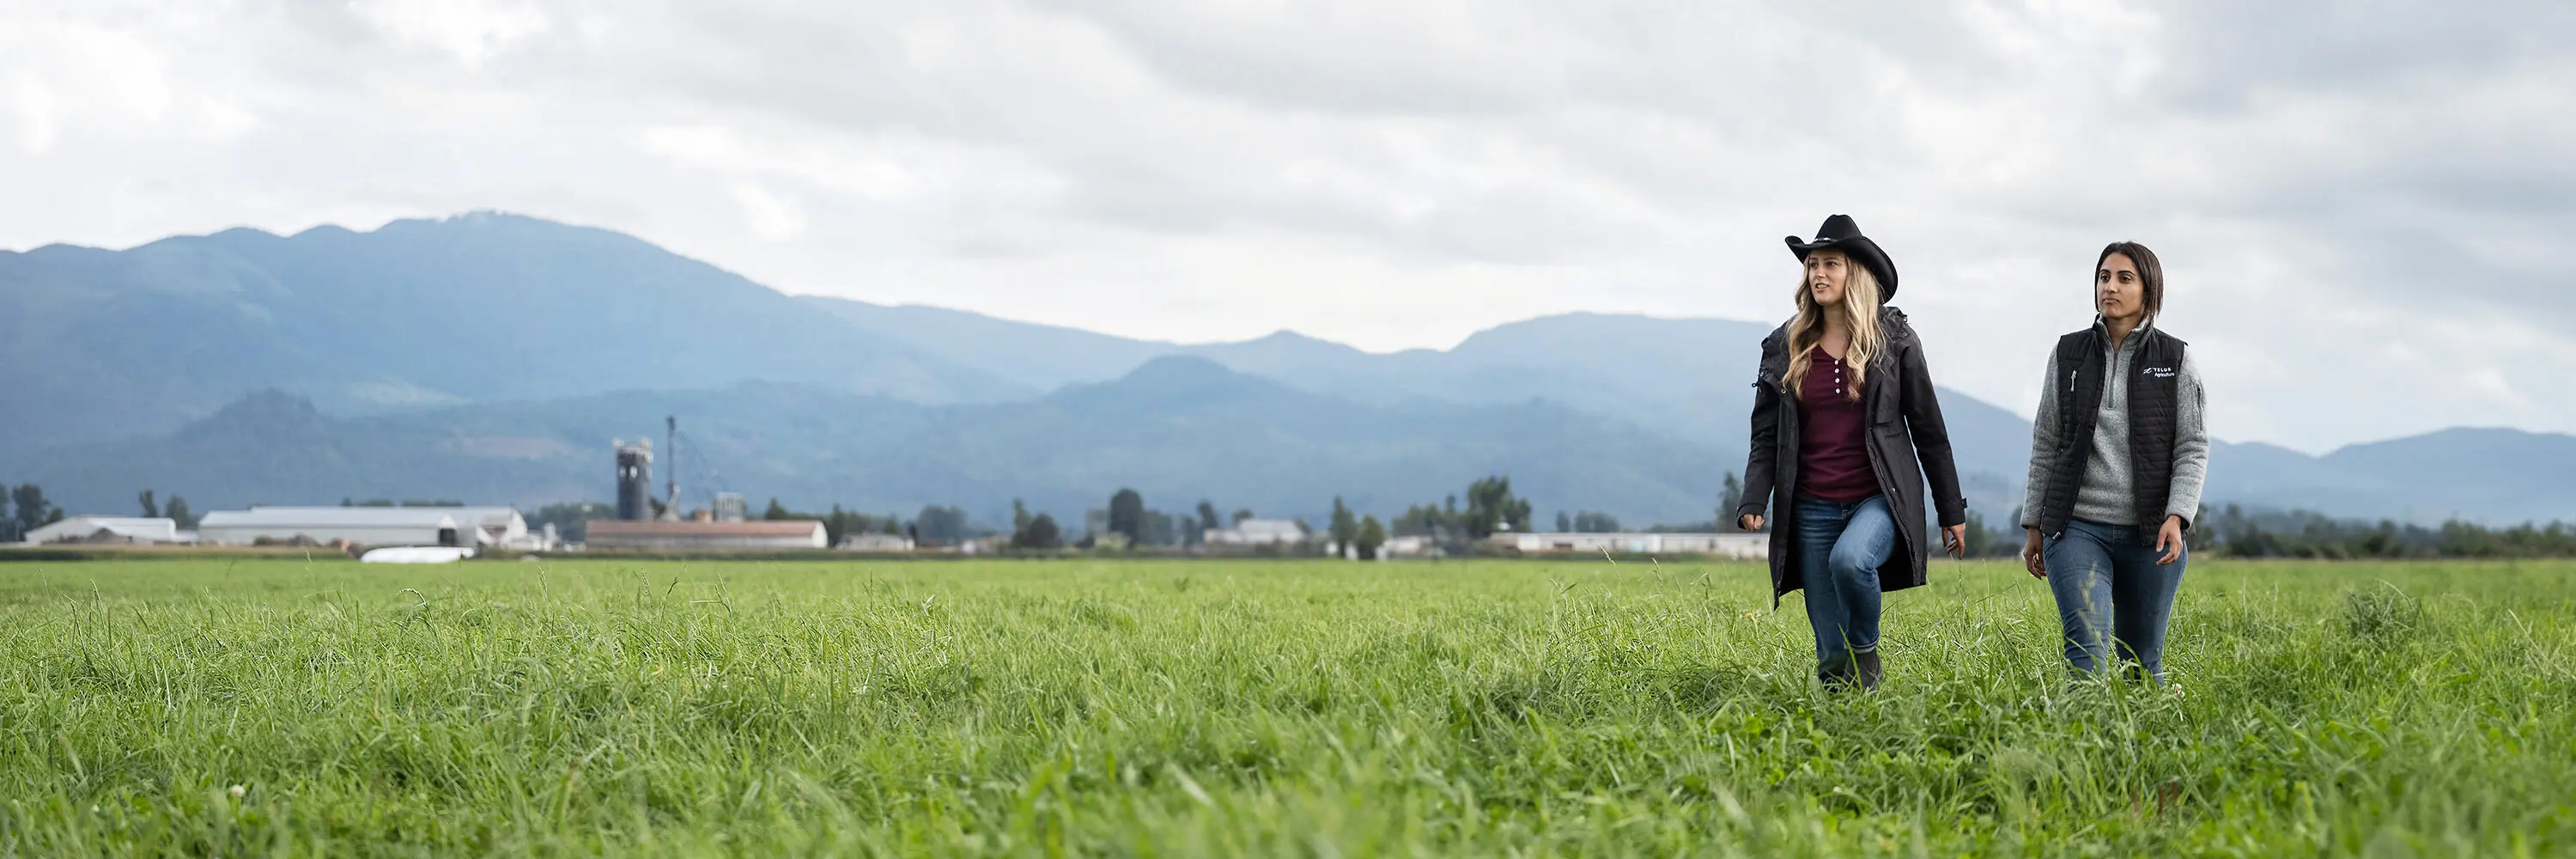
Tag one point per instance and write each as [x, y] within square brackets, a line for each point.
[634, 479]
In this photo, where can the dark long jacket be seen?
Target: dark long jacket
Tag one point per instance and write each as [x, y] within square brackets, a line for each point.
[1903, 422]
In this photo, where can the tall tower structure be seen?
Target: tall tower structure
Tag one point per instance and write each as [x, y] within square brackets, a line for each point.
[671, 503]
[634, 479]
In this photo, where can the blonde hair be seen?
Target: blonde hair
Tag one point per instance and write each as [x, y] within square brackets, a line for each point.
[1859, 308]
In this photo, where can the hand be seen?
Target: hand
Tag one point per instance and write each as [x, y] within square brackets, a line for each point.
[2169, 540]
[2031, 557]
[1749, 521]
[1954, 539]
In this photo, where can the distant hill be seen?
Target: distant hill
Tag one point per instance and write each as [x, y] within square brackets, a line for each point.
[1177, 429]
[2489, 475]
[419, 313]
[1686, 379]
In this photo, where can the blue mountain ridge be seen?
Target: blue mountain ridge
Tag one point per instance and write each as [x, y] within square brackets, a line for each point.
[491, 357]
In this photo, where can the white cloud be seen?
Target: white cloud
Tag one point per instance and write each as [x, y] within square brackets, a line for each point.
[34, 105]
[470, 30]
[84, 73]
[773, 217]
[2357, 205]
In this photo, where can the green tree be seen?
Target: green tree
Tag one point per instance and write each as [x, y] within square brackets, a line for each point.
[1727, 504]
[1491, 507]
[777, 512]
[1422, 520]
[1042, 533]
[1372, 536]
[1020, 520]
[179, 513]
[1243, 515]
[1979, 541]
[1344, 529]
[1208, 517]
[151, 508]
[1127, 516]
[945, 526]
[1563, 524]
[836, 524]
[2202, 538]
[33, 510]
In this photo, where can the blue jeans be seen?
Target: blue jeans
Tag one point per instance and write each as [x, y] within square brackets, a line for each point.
[1839, 549]
[2110, 588]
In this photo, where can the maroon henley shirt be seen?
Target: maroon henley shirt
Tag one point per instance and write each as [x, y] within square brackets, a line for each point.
[1833, 454]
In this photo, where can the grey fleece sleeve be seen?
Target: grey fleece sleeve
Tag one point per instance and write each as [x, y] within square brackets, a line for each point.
[2191, 445]
[2043, 446]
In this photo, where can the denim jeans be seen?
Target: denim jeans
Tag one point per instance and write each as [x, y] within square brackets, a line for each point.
[2108, 583]
[1839, 549]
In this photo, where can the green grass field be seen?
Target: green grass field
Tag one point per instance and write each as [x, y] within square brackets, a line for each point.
[259, 707]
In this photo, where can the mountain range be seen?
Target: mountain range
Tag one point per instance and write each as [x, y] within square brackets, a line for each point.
[492, 357]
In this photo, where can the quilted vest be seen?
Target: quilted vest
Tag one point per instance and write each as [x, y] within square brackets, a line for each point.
[2155, 387]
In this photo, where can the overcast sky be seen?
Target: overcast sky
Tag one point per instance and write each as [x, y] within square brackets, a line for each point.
[2355, 201]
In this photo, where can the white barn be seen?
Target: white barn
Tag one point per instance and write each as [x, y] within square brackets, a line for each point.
[368, 526]
[107, 529]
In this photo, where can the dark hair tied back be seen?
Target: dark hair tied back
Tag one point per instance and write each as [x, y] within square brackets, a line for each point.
[2151, 274]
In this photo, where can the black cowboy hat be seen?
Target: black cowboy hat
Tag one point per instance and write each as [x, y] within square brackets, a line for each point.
[1840, 233]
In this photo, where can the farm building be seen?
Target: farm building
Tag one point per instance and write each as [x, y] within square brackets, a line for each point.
[107, 529]
[623, 534]
[877, 543]
[1723, 545]
[1408, 546]
[1258, 532]
[369, 526]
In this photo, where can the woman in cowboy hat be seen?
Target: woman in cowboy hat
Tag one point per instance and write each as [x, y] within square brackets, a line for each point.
[1843, 410]
[2117, 455]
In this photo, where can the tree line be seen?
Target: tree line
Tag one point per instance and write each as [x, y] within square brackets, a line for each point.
[2235, 532]
[1489, 507]
[24, 508]
[1129, 523]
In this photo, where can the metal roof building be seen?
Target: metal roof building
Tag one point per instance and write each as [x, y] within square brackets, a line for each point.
[369, 526]
[107, 529]
[623, 534]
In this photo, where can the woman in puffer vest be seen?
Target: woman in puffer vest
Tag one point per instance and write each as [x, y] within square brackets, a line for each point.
[2117, 457]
